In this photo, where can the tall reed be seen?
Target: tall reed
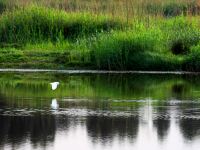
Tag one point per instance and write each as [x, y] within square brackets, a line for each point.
[34, 24]
[124, 8]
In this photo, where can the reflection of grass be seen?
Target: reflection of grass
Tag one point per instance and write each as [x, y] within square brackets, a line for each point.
[100, 87]
[112, 92]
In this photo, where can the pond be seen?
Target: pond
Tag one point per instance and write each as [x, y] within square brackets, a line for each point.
[99, 111]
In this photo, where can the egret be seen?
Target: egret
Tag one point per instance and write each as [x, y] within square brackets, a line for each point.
[54, 85]
[54, 104]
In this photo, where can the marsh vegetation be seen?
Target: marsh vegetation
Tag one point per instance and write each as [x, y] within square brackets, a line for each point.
[94, 34]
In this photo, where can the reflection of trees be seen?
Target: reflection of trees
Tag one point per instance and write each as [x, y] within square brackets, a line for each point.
[161, 124]
[15, 129]
[190, 128]
[141, 86]
[105, 129]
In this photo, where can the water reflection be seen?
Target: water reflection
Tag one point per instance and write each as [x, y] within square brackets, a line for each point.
[162, 122]
[99, 111]
[162, 127]
[105, 129]
[54, 104]
[15, 130]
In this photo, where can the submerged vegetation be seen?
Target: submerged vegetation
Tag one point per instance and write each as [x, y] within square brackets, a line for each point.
[145, 35]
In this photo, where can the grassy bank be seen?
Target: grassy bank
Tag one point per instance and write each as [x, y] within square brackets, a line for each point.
[40, 37]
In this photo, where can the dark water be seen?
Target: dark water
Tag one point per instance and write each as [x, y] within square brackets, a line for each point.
[100, 112]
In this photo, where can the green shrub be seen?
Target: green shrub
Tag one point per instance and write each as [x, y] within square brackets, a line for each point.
[175, 9]
[183, 40]
[181, 34]
[172, 9]
[127, 50]
[192, 61]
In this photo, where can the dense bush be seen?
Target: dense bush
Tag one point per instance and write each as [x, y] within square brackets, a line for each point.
[182, 41]
[181, 34]
[192, 61]
[128, 50]
[172, 9]
[175, 9]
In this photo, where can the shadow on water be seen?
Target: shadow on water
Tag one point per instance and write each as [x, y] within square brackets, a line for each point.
[190, 128]
[39, 129]
[161, 123]
[105, 129]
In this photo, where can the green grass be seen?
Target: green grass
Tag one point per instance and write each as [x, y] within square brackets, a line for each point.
[39, 37]
[123, 50]
[35, 24]
[165, 45]
[192, 61]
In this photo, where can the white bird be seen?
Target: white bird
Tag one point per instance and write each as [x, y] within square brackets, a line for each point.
[54, 104]
[54, 85]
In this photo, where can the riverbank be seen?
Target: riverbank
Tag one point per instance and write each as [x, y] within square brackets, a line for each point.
[8, 70]
[46, 38]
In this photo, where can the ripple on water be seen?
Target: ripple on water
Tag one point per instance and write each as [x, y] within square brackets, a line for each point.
[68, 112]
[19, 112]
[176, 102]
[88, 112]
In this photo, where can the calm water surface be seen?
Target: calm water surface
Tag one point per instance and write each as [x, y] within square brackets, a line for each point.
[99, 111]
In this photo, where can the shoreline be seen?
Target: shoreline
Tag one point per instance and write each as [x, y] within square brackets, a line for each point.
[98, 71]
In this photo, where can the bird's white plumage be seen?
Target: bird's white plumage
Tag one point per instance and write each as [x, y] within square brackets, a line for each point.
[54, 104]
[54, 85]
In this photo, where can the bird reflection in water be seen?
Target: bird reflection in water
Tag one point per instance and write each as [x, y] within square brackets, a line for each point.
[54, 104]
